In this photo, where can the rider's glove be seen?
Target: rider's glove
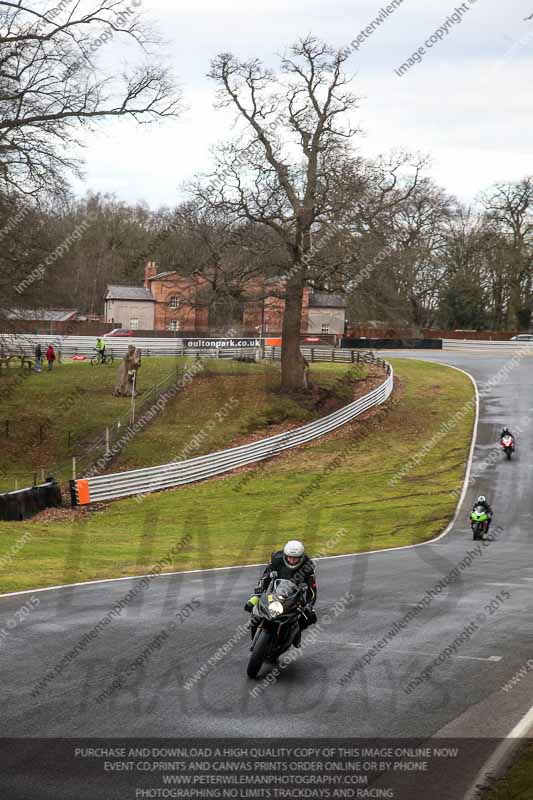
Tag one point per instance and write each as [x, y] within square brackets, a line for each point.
[253, 601]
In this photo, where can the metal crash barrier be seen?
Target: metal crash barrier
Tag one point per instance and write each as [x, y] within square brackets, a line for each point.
[153, 479]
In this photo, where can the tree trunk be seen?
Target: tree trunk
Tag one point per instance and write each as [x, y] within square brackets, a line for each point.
[292, 361]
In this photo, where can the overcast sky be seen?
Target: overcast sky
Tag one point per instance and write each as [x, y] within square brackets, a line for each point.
[468, 104]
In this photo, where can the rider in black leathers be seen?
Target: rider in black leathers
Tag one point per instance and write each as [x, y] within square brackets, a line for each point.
[291, 563]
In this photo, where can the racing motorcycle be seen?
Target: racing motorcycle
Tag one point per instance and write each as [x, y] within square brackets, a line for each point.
[278, 612]
[508, 446]
[479, 520]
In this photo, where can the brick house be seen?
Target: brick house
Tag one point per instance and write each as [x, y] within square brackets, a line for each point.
[173, 302]
[321, 313]
[177, 300]
[130, 306]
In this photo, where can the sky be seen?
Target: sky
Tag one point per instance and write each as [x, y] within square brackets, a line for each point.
[467, 104]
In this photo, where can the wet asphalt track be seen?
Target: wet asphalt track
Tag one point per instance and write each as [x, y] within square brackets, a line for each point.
[462, 698]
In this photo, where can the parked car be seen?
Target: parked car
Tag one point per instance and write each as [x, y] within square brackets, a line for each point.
[120, 332]
[522, 337]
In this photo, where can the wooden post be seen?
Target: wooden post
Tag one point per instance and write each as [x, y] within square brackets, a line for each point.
[42, 474]
[107, 452]
[353, 356]
[73, 468]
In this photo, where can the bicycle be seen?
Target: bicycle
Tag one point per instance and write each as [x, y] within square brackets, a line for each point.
[102, 358]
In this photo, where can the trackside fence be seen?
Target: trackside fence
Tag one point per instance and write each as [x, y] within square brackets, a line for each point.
[485, 345]
[152, 479]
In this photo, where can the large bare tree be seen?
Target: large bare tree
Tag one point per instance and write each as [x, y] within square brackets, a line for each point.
[51, 87]
[282, 168]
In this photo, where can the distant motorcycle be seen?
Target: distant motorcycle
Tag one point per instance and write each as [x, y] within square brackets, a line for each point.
[479, 520]
[278, 612]
[508, 446]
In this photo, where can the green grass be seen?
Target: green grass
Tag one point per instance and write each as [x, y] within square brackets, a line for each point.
[240, 519]
[518, 783]
[228, 400]
[76, 399]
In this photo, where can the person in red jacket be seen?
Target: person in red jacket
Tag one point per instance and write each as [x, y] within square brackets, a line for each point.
[50, 356]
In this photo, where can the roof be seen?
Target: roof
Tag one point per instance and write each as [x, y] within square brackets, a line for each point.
[129, 293]
[161, 275]
[326, 300]
[41, 314]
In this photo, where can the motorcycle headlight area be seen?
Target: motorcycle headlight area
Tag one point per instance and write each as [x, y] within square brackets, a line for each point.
[275, 608]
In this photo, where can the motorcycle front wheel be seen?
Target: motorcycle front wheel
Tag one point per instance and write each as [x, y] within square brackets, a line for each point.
[258, 654]
[509, 453]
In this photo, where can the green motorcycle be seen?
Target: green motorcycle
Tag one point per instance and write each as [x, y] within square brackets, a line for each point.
[479, 520]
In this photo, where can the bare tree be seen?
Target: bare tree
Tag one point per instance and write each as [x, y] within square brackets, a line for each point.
[509, 212]
[281, 171]
[51, 88]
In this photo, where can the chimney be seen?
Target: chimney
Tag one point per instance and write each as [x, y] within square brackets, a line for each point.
[149, 271]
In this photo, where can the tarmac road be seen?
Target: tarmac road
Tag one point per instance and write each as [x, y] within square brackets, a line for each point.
[327, 692]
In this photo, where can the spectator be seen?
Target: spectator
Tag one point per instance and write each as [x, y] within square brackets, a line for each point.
[100, 347]
[50, 356]
[38, 357]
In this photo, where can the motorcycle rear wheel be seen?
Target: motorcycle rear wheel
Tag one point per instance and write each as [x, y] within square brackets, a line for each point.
[258, 653]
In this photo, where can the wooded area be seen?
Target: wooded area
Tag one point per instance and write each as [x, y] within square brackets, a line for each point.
[290, 196]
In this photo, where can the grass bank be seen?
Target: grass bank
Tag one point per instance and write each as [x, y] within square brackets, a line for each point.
[48, 417]
[361, 478]
[517, 784]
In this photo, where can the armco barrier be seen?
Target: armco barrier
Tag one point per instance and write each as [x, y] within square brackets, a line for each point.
[484, 345]
[153, 479]
[25, 503]
[393, 344]
[118, 345]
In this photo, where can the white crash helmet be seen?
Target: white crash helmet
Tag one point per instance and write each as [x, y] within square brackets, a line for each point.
[293, 554]
[481, 499]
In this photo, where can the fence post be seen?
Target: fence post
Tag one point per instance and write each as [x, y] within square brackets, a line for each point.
[312, 354]
[73, 468]
[353, 354]
[42, 474]
[107, 442]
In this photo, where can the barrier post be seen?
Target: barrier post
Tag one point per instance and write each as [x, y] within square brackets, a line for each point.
[73, 468]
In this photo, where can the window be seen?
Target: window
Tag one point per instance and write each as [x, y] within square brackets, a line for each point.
[325, 329]
[173, 325]
[173, 301]
[134, 324]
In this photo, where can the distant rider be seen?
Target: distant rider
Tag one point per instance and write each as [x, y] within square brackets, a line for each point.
[507, 432]
[483, 502]
[291, 563]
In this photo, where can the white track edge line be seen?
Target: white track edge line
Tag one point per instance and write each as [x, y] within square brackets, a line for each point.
[498, 762]
[322, 558]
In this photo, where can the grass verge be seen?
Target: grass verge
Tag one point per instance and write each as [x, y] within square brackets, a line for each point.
[359, 482]
[517, 784]
[48, 417]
